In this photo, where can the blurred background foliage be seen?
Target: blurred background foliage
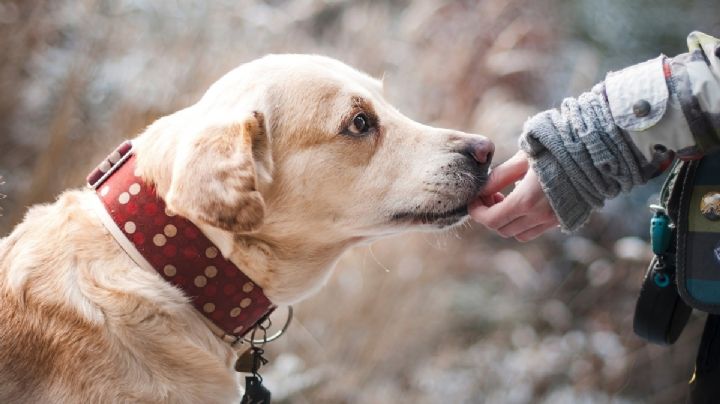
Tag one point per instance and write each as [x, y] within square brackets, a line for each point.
[457, 317]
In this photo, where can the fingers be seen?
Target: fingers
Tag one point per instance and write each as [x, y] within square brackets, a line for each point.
[506, 173]
[503, 175]
[518, 203]
[531, 220]
[525, 213]
[490, 200]
[497, 215]
[535, 232]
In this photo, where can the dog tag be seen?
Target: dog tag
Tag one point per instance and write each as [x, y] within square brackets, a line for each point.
[255, 392]
[245, 362]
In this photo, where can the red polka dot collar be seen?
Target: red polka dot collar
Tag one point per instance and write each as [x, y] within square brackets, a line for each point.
[175, 248]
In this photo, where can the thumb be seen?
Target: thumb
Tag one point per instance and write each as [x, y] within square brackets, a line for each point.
[506, 173]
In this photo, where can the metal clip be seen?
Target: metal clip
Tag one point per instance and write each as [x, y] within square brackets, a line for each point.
[660, 230]
[657, 208]
[266, 339]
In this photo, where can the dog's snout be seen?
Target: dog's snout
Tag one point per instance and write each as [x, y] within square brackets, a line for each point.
[480, 151]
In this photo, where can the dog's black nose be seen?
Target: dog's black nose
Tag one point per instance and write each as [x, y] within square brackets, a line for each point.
[480, 150]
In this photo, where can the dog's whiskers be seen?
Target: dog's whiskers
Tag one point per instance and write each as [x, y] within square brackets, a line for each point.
[372, 254]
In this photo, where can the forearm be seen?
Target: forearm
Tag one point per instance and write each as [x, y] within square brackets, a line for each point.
[582, 157]
[618, 135]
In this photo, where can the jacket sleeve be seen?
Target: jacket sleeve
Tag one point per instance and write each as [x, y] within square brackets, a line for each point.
[672, 103]
[620, 134]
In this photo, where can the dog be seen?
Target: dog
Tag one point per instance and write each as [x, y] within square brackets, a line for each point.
[283, 164]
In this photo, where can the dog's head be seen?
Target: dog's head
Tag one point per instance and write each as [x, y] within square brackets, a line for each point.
[305, 148]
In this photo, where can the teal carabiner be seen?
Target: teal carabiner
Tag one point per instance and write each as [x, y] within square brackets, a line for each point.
[660, 232]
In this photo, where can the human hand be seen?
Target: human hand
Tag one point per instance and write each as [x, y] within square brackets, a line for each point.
[525, 213]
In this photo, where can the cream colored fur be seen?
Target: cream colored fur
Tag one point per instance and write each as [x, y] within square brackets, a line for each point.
[265, 165]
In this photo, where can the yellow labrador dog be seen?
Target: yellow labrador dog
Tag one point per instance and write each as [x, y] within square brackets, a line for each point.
[283, 164]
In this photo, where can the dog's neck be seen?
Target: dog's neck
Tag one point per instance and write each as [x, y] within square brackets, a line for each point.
[288, 265]
[289, 268]
[159, 240]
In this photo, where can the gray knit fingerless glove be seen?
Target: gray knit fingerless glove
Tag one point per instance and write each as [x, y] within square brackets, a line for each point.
[581, 157]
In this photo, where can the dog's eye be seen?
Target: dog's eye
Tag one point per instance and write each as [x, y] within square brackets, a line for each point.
[360, 124]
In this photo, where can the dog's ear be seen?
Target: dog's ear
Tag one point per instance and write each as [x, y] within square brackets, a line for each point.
[214, 176]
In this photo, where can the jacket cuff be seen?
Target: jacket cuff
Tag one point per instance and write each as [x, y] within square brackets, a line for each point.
[647, 109]
[569, 206]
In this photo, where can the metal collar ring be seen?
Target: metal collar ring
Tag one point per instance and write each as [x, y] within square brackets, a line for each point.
[275, 336]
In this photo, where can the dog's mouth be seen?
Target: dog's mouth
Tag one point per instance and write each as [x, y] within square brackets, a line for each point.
[467, 185]
[440, 219]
